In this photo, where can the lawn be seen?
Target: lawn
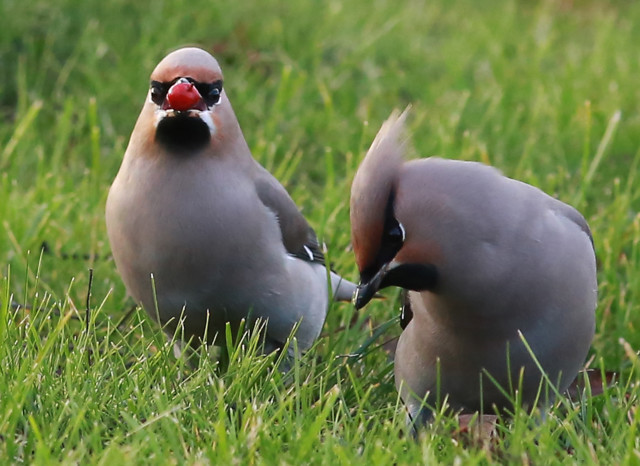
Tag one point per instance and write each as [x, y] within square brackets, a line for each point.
[545, 91]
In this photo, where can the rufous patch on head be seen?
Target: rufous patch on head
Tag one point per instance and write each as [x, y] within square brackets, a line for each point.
[372, 187]
[365, 247]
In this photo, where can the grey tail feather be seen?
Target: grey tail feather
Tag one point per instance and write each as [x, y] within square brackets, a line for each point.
[343, 289]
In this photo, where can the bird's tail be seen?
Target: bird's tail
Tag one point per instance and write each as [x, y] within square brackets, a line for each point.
[342, 288]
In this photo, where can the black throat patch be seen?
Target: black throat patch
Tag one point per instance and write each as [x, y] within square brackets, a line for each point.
[181, 133]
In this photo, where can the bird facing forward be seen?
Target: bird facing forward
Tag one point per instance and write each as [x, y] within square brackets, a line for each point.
[487, 261]
[200, 231]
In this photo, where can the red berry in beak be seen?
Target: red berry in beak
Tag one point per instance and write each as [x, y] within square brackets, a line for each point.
[183, 96]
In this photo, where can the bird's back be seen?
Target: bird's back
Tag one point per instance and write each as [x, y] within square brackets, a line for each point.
[511, 259]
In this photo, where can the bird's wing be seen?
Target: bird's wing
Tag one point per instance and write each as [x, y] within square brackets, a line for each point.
[298, 237]
[576, 217]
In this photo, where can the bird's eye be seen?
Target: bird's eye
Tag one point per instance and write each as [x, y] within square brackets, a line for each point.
[396, 233]
[393, 234]
[158, 92]
[211, 92]
[214, 95]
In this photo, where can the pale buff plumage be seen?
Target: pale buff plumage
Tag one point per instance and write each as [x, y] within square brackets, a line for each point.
[485, 257]
[220, 235]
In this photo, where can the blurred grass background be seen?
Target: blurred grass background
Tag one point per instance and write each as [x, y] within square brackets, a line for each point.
[547, 91]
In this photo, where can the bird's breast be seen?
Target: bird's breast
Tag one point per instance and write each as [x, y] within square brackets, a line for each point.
[192, 224]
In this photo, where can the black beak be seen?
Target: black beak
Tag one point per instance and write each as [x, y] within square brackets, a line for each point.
[415, 277]
[366, 291]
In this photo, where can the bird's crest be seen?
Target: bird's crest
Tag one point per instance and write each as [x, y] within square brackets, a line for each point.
[373, 186]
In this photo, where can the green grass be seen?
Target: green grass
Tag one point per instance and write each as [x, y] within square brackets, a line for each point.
[546, 91]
